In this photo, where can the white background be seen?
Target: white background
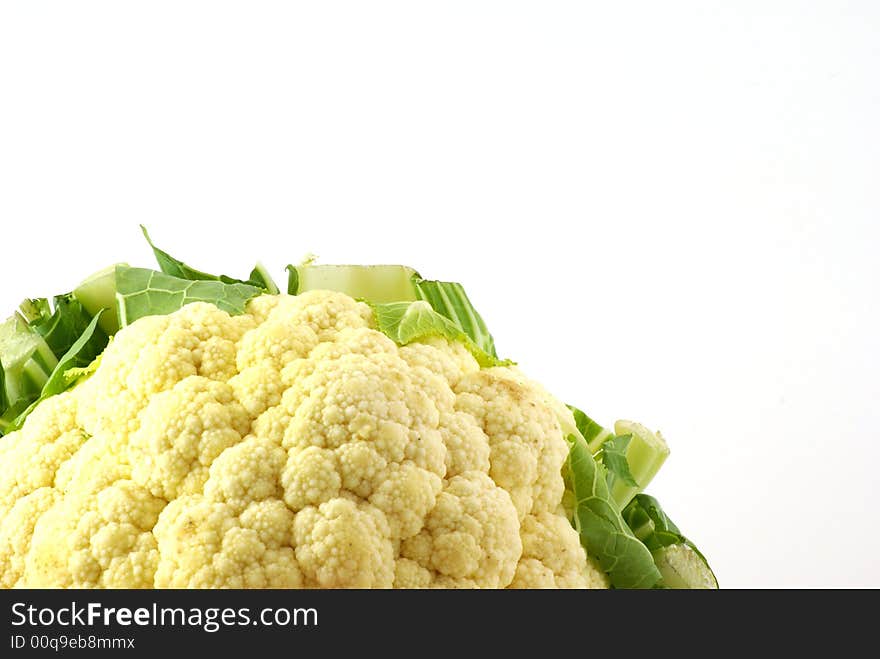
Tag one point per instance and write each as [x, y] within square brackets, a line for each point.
[665, 211]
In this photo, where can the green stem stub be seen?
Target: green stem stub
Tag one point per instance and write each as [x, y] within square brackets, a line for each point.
[645, 453]
[379, 284]
[97, 293]
[26, 364]
[677, 558]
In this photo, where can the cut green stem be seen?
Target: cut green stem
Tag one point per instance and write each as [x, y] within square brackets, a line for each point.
[678, 560]
[98, 292]
[645, 454]
[379, 284]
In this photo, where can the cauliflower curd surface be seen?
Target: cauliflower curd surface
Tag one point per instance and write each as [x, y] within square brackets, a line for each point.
[294, 446]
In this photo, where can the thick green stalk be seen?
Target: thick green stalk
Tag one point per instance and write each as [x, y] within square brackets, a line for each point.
[98, 292]
[27, 364]
[645, 454]
[678, 560]
[379, 284]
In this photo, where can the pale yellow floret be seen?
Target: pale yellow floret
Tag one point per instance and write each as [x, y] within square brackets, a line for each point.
[467, 447]
[98, 540]
[258, 388]
[326, 313]
[259, 308]
[360, 467]
[206, 544]
[346, 399]
[30, 458]
[406, 494]
[151, 356]
[277, 342]
[447, 359]
[17, 529]
[246, 473]
[527, 449]
[409, 574]
[471, 534]
[349, 341]
[100, 461]
[344, 544]
[368, 398]
[183, 430]
[310, 477]
[552, 556]
[291, 446]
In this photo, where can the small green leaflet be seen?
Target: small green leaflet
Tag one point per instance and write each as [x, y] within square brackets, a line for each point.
[63, 326]
[603, 532]
[592, 432]
[77, 373]
[68, 370]
[4, 399]
[651, 524]
[405, 322]
[259, 276]
[292, 279]
[79, 356]
[141, 292]
[449, 299]
[613, 456]
[27, 362]
[397, 284]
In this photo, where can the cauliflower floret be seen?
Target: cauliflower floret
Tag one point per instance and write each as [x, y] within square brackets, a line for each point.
[527, 449]
[344, 544]
[326, 313]
[366, 398]
[30, 458]
[258, 388]
[17, 529]
[409, 574]
[258, 308]
[471, 536]
[100, 461]
[405, 495]
[246, 473]
[101, 539]
[349, 341]
[360, 466]
[276, 341]
[292, 446]
[310, 477]
[552, 556]
[154, 354]
[447, 359]
[183, 430]
[205, 544]
[467, 447]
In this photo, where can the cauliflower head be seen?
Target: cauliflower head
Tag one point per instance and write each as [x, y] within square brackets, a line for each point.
[292, 446]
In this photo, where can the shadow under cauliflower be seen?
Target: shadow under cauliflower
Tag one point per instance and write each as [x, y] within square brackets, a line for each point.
[292, 446]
